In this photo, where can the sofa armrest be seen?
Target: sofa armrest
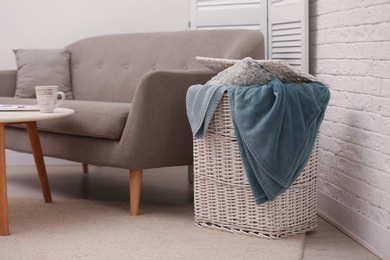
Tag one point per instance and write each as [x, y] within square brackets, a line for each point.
[7, 83]
[157, 131]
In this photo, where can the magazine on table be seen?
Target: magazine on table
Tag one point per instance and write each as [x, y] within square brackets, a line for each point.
[15, 107]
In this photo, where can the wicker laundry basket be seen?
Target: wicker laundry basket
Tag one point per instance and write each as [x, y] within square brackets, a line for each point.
[223, 199]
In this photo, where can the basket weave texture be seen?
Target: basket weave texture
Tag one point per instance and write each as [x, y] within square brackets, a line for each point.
[223, 199]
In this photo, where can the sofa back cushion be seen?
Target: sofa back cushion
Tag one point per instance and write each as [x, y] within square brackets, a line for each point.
[109, 67]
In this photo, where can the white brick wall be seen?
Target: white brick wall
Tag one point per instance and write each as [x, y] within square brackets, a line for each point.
[350, 51]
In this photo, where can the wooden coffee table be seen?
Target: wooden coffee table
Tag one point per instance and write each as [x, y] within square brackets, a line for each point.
[29, 118]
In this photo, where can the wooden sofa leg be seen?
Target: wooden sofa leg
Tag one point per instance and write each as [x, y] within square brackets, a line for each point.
[135, 191]
[85, 168]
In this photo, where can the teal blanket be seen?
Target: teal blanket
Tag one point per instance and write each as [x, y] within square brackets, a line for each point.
[276, 126]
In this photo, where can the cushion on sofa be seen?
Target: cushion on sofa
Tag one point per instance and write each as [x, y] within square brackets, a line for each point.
[37, 67]
[91, 118]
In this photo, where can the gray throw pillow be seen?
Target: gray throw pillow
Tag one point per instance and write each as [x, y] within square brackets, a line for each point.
[40, 67]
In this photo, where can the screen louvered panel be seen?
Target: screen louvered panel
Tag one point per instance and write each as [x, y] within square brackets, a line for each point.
[284, 2]
[228, 13]
[286, 42]
[288, 32]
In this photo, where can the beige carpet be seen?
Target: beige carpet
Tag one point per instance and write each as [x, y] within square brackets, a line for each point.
[79, 229]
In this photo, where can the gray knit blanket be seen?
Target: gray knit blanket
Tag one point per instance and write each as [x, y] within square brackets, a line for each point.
[201, 102]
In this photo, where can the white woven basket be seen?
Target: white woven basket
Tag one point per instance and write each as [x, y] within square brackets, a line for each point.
[223, 199]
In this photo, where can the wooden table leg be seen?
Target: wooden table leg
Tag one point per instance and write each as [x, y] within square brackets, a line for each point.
[38, 157]
[4, 225]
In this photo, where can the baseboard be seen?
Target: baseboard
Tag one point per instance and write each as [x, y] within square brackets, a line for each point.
[24, 159]
[360, 228]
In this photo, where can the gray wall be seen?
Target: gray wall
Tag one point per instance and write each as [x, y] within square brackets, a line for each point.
[55, 24]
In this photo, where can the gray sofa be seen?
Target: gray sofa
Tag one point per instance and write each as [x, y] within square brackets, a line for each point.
[129, 97]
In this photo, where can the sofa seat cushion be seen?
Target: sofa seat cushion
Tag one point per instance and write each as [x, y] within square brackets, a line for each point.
[91, 118]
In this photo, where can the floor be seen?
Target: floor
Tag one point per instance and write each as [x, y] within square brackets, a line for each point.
[325, 242]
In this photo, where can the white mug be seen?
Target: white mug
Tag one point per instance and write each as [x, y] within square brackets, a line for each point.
[47, 97]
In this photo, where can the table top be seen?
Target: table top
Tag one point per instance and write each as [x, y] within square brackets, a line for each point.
[26, 116]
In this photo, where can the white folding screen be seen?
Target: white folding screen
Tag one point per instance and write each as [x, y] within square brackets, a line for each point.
[284, 24]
